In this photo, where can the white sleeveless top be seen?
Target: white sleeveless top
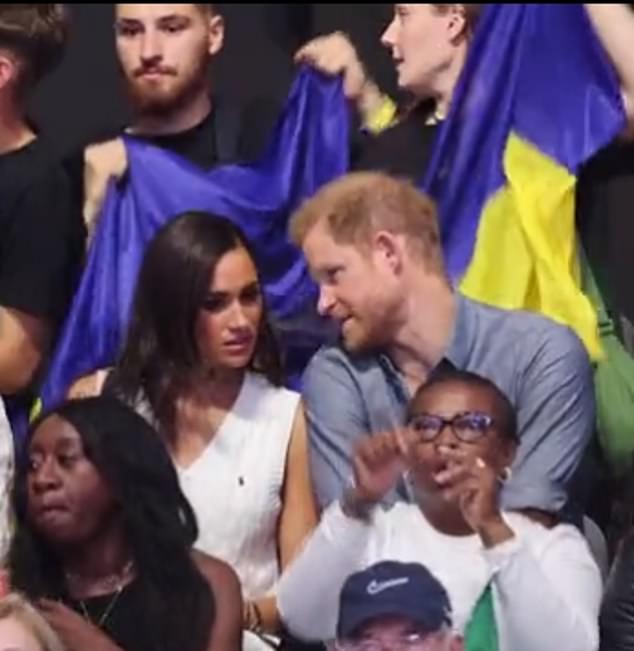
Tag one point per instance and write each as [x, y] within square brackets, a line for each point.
[235, 485]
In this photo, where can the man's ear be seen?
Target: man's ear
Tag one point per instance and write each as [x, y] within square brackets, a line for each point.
[457, 24]
[8, 70]
[390, 249]
[216, 33]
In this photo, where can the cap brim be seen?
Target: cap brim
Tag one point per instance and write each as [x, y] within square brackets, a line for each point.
[353, 624]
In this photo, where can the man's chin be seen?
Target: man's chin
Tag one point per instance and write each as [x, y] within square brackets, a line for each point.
[158, 102]
[154, 106]
[356, 343]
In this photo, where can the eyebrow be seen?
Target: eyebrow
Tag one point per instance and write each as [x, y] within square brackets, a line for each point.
[224, 292]
[169, 18]
[64, 441]
[174, 18]
[121, 22]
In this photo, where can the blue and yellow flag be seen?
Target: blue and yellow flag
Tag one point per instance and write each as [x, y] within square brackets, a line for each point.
[537, 98]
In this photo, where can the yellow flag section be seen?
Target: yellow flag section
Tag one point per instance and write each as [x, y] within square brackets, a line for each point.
[525, 255]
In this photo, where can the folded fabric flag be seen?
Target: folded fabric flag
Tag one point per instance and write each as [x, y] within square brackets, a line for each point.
[305, 152]
[481, 633]
[537, 98]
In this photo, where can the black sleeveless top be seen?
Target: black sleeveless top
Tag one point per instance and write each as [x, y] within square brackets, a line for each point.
[121, 618]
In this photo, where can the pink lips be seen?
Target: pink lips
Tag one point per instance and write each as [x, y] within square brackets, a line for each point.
[239, 345]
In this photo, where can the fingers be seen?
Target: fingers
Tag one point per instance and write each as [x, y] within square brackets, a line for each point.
[376, 450]
[50, 610]
[462, 492]
[330, 63]
[330, 54]
[49, 606]
[403, 441]
[462, 470]
[85, 387]
[88, 386]
[453, 475]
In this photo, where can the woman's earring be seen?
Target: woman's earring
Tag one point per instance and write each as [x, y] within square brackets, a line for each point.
[505, 475]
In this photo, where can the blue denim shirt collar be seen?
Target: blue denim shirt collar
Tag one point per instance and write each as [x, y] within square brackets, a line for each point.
[457, 352]
[460, 344]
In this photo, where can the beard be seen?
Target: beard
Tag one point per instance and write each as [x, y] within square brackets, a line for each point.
[367, 334]
[374, 322]
[171, 94]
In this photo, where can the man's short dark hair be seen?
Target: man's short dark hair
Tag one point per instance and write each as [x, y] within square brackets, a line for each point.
[37, 35]
[504, 411]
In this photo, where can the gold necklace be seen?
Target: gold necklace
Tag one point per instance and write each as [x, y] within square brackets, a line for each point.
[115, 582]
[104, 585]
[106, 613]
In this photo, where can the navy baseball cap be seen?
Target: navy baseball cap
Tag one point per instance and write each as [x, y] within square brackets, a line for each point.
[395, 589]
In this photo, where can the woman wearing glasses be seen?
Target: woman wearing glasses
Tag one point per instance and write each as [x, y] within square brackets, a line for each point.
[455, 452]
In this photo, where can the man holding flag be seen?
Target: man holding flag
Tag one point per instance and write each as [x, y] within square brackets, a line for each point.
[429, 45]
[164, 53]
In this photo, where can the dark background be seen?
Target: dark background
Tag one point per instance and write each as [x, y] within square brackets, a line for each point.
[84, 98]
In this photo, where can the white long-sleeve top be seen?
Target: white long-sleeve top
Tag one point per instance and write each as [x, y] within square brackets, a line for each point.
[546, 586]
[6, 480]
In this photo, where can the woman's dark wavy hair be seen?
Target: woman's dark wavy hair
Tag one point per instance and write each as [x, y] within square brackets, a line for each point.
[159, 523]
[160, 357]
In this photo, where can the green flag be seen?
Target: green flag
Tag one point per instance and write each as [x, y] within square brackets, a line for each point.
[482, 632]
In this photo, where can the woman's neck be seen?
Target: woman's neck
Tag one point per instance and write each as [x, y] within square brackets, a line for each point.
[445, 518]
[218, 389]
[89, 566]
[200, 412]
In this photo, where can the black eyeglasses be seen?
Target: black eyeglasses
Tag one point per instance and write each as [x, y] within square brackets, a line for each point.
[469, 426]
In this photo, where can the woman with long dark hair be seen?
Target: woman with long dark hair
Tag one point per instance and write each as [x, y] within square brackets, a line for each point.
[201, 363]
[104, 539]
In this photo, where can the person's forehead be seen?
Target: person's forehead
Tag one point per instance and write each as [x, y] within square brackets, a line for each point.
[455, 396]
[320, 239]
[388, 624]
[148, 12]
[54, 431]
[234, 268]
[412, 6]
